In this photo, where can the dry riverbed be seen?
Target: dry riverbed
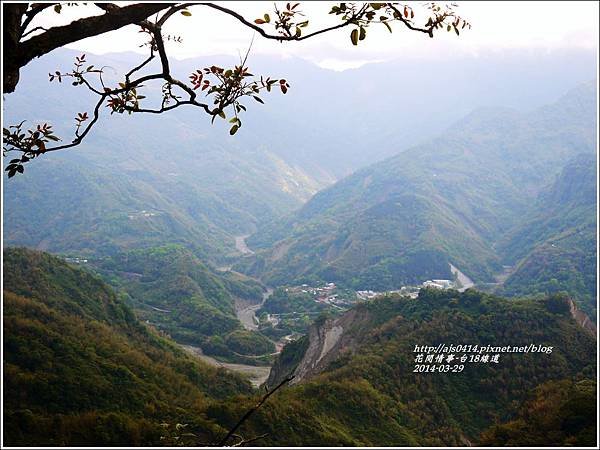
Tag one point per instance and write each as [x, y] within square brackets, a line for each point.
[256, 374]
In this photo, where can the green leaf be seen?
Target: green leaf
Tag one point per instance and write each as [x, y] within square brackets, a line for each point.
[387, 26]
[186, 13]
[354, 37]
[267, 18]
[234, 129]
[363, 34]
[258, 99]
[57, 8]
[222, 115]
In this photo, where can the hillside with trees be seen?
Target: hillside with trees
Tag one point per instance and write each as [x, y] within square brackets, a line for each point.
[185, 181]
[297, 224]
[448, 201]
[170, 288]
[368, 393]
[81, 369]
[554, 248]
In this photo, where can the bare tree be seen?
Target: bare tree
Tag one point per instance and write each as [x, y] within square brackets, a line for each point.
[214, 90]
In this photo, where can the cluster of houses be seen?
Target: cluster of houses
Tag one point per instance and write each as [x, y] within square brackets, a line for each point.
[324, 294]
[409, 291]
[327, 294]
[439, 284]
[142, 213]
[76, 260]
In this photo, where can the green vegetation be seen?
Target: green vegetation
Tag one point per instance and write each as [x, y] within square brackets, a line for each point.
[450, 200]
[146, 199]
[295, 310]
[282, 300]
[555, 247]
[80, 369]
[369, 395]
[173, 290]
[561, 414]
[288, 360]
[246, 343]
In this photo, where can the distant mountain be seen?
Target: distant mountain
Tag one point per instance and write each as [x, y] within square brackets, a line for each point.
[554, 248]
[203, 186]
[448, 201]
[118, 197]
[80, 369]
[358, 383]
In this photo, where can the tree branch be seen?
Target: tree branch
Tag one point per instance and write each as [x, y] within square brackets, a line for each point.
[251, 411]
[243, 441]
[230, 85]
[34, 11]
[266, 35]
[407, 23]
[57, 37]
[34, 29]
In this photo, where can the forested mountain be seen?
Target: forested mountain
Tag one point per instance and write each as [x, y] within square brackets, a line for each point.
[80, 369]
[560, 414]
[356, 382]
[337, 181]
[126, 193]
[447, 201]
[554, 248]
[169, 287]
[148, 180]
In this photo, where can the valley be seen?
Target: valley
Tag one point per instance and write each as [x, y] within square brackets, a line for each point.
[162, 277]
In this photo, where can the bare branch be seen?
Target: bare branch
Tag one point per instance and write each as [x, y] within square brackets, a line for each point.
[248, 441]
[33, 30]
[140, 66]
[251, 411]
[29, 15]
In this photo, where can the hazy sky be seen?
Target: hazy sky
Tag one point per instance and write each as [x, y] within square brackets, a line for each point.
[496, 26]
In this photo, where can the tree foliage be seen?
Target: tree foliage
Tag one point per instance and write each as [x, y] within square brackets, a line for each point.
[215, 90]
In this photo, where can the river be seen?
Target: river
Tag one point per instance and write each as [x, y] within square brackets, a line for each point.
[256, 374]
[246, 313]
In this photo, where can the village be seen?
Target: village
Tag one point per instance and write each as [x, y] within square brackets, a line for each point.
[330, 294]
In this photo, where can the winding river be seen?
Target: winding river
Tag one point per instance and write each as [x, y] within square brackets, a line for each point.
[247, 313]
